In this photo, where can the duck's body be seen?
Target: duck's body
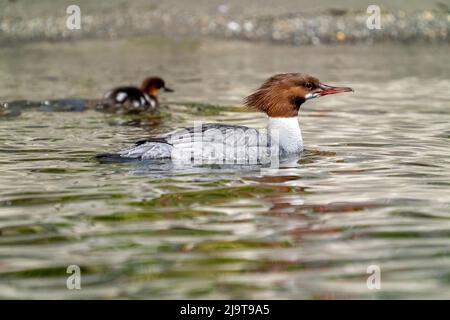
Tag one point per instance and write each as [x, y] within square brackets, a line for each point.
[132, 98]
[279, 97]
[220, 141]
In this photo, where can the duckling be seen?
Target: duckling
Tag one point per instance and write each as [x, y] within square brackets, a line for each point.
[133, 99]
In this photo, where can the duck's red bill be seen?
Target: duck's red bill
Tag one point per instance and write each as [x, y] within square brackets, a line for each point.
[326, 89]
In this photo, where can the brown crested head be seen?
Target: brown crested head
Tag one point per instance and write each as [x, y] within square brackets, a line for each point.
[152, 85]
[282, 95]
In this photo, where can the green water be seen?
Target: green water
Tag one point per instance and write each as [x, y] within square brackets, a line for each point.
[372, 187]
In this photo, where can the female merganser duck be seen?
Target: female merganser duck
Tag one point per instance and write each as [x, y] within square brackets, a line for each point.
[280, 97]
[133, 98]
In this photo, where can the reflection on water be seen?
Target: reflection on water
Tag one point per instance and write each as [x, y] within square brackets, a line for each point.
[371, 188]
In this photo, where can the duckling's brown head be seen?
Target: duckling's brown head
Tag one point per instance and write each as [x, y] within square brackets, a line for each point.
[281, 95]
[153, 85]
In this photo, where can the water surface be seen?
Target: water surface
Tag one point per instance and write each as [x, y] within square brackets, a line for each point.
[372, 187]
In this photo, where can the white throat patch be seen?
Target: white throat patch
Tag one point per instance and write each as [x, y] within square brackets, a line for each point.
[289, 133]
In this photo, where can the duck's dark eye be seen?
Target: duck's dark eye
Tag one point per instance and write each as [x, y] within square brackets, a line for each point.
[309, 85]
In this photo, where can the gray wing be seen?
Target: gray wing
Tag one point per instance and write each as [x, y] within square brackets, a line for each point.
[193, 138]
